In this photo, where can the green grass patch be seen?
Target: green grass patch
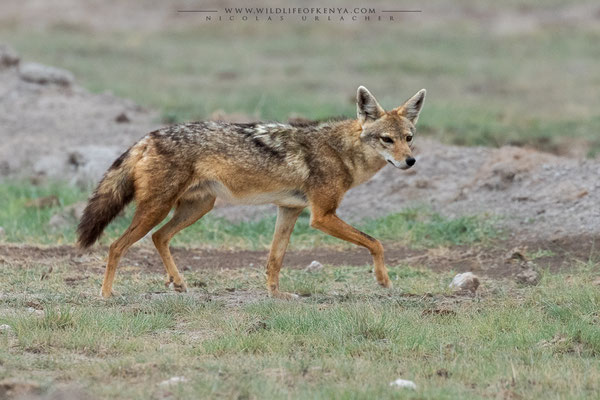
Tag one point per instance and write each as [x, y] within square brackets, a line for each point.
[348, 339]
[415, 226]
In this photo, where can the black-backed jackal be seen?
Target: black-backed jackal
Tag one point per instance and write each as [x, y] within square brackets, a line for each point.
[187, 166]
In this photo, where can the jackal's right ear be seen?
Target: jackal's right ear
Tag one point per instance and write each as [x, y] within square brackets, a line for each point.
[367, 108]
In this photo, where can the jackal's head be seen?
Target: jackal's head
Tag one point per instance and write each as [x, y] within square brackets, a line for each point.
[390, 133]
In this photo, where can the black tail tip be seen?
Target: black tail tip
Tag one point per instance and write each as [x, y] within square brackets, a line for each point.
[86, 239]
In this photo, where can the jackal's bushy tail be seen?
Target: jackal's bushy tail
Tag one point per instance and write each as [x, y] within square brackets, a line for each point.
[113, 193]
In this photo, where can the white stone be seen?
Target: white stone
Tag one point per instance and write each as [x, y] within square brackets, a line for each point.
[314, 267]
[173, 381]
[403, 383]
[465, 281]
[43, 74]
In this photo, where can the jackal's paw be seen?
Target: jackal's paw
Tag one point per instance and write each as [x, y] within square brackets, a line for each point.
[276, 294]
[180, 287]
[386, 283]
[106, 294]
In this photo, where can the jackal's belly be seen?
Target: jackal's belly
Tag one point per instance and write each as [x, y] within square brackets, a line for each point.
[285, 197]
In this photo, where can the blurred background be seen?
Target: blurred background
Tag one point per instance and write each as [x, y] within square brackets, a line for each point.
[516, 72]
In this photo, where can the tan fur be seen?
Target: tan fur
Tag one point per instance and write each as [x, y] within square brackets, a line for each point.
[188, 166]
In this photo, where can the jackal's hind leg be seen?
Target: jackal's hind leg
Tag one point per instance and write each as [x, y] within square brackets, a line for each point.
[147, 216]
[286, 219]
[187, 212]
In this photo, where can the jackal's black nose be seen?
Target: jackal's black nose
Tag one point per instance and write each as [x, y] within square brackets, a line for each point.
[410, 161]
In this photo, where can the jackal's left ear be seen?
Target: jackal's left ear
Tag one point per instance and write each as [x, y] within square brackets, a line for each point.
[367, 108]
[412, 107]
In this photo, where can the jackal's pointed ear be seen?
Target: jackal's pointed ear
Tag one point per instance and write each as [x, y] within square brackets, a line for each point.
[367, 108]
[412, 107]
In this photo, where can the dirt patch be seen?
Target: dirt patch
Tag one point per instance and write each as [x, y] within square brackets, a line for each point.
[560, 254]
[52, 130]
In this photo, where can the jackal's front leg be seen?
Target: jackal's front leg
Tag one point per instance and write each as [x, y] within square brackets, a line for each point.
[331, 224]
[286, 219]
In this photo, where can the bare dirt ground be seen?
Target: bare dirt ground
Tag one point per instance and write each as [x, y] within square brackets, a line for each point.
[63, 131]
[499, 261]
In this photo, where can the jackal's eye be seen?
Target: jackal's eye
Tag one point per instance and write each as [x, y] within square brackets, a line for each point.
[387, 139]
[409, 138]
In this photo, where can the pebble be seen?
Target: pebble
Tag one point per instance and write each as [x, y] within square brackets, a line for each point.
[403, 383]
[314, 266]
[465, 281]
[43, 74]
[173, 381]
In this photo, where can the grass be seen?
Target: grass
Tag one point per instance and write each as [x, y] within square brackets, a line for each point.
[484, 88]
[418, 227]
[349, 339]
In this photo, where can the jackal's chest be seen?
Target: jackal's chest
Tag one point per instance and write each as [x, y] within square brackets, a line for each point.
[363, 174]
[285, 198]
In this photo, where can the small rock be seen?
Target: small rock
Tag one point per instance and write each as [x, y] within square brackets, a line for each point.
[173, 381]
[122, 118]
[402, 383]
[5, 329]
[43, 74]
[528, 277]
[314, 266]
[595, 282]
[2, 233]
[8, 56]
[465, 281]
